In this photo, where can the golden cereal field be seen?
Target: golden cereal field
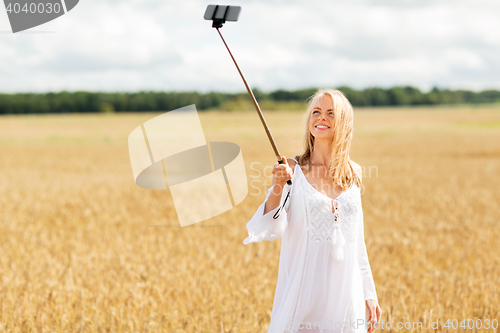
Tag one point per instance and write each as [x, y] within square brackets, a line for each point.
[83, 249]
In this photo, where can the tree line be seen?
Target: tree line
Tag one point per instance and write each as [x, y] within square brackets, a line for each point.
[83, 101]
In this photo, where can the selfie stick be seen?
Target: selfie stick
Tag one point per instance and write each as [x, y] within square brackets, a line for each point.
[219, 15]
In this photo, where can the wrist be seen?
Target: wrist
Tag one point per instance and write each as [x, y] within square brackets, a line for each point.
[280, 185]
[277, 188]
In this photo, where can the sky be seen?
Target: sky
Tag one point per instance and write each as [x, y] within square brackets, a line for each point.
[165, 45]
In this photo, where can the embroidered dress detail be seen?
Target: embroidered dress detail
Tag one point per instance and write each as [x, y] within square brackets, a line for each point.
[326, 223]
[321, 219]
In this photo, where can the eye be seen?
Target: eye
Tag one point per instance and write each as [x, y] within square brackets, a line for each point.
[315, 111]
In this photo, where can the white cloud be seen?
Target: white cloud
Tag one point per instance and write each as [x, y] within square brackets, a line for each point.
[121, 45]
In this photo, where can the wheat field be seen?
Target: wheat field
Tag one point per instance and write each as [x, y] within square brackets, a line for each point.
[83, 249]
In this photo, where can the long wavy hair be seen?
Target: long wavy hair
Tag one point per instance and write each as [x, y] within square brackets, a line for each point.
[340, 169]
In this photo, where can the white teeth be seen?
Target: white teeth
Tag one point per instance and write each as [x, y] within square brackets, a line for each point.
[321, 127]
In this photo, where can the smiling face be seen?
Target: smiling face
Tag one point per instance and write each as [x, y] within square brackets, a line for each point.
[321, 121]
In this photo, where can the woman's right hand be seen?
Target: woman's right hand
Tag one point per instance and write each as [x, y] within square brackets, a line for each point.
[282, 172]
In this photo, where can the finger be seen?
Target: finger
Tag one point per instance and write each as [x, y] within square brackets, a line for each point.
[285, 170]
[373, 314]
[284, 160]
[370, 314]
[281, 171]
[278, 168]
[275, 167]
[370, 319]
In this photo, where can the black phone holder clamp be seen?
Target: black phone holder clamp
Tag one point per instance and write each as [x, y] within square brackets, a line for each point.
[220, 14]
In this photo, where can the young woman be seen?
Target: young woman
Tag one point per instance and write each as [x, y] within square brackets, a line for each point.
[325, 283]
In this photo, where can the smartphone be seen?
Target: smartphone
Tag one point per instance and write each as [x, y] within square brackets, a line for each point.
[223, 13]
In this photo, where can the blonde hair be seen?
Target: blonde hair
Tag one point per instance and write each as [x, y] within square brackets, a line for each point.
[340, 169]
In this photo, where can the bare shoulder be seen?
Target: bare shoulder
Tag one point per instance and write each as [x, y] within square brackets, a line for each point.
[291, 162]
[357, 169]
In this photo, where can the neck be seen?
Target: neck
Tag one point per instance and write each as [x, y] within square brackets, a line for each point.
[321, 152]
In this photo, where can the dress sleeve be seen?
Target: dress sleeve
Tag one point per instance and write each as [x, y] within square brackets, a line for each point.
[364, 265]
[272, 225]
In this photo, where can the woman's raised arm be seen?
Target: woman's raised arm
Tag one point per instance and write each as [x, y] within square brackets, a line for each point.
[271, 224]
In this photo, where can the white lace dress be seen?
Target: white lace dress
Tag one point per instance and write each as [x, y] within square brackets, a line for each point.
[324, 276]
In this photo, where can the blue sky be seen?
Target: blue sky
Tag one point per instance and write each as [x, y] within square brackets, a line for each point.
[131, 45]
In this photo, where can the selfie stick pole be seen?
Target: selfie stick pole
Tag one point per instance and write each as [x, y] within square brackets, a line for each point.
[257, 107]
